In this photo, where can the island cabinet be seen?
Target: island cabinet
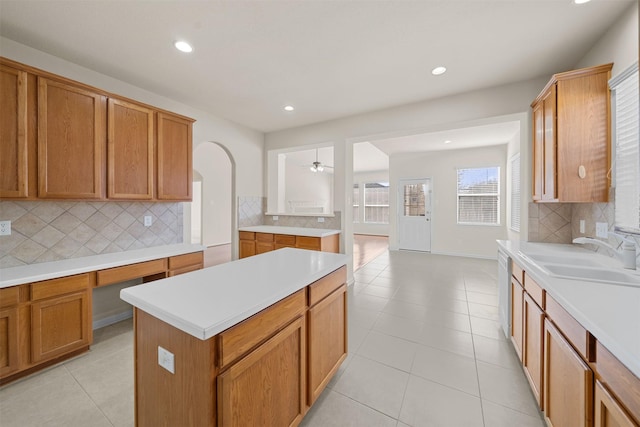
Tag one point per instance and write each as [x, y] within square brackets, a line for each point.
[62, 139]
[266, 370]
[572, 137]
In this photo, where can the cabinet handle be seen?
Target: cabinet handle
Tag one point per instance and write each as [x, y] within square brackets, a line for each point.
[582, 172]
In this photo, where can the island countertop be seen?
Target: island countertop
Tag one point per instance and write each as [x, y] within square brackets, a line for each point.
[205, 302]
[292, 231]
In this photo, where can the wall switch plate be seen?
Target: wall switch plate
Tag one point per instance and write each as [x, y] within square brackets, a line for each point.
[582, 226]
[166, 359]
[5, 228]
[148, 220]
[602, 229]
[320, 219]
[275, 217]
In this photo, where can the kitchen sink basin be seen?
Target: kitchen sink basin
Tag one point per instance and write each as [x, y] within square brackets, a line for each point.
[560, 259]
[603, 275]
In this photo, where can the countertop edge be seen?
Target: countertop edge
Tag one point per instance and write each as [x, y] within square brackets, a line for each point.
[294, 231]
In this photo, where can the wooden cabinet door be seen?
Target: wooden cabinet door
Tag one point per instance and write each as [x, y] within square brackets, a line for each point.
[247, 248]
[8, 341]
[549, 184]
[608, 412]
[567, 383]
[327, 325]
[130, 167]
[13, 132]
[174, 158]
[262, 247]
[266, 388]
[71, 141]
[60, 325]
[532, 353]
[517, 293]
[538, 151]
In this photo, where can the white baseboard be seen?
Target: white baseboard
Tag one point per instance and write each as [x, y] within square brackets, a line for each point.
[110, 320]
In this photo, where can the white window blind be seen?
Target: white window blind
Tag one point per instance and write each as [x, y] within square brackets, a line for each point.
[376, 202]
[479, 196]
[356, 203]
[515, 193]
[627, 149]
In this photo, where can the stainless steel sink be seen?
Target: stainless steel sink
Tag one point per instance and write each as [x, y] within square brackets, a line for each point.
[604, 275]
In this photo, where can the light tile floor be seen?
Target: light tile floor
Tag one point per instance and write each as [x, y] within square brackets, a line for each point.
[425, 349]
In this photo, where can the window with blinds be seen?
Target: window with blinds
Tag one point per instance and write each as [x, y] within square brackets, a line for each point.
[356, 203]
[514, 221]
[626, 167]
[376, 202]
[479, 196]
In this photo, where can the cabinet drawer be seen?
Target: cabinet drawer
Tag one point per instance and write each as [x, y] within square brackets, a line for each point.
[247, 235]
[304, 242]
[319, 289]
[578, 336]
[619, 380]
[183, 270]
[608, 412]
[61, 286]
[264, 237]
[536, 292]
[239, 339]
[517, 272]
[180, 261]
[9, 296]
[133, 271]
[285, 239]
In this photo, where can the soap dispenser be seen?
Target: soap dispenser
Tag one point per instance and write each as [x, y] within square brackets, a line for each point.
[629, 254]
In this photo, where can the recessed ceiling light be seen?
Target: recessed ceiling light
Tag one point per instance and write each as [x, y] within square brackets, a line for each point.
[183, 46]
[289, 108]
[448, 141]
[438, 70]
[581, 1]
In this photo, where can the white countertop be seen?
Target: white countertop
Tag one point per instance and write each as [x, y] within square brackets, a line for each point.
[294, 231]
[205, 302]
[610, 312]
[51, 270]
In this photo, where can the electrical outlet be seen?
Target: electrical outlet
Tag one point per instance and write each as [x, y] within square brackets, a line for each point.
[275, 217]
[166, 359]
[582, 226]
[148, 220]
[320, 219]
[602, 229]
[5, 228]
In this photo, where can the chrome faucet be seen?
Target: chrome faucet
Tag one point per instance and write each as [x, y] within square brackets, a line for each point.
[627, 253]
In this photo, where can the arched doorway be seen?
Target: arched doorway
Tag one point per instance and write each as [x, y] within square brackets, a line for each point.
[214, 177]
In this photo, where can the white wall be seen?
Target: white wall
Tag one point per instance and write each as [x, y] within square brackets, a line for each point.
[303, 185]
[619, 44]
[447, 237]
[213, 164]
[367, 228]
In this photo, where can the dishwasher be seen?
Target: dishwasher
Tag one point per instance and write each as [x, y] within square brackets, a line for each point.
[504, 291]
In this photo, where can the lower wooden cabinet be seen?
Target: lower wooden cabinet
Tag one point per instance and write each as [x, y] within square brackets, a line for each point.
[608, 412]
[532, 352]
[262, 247]
[253, 243]
[9, 341]
[278, 367]
[327, 341]
[181, 264]
[568, 383]
[247, 248]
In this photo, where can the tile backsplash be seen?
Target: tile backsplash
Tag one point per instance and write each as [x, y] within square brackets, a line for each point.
[251, 210]
[54, 230]
[330, 222]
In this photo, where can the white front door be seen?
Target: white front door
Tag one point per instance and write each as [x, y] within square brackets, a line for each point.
[414, 214]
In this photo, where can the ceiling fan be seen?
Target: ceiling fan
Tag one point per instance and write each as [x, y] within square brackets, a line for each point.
[317, 166]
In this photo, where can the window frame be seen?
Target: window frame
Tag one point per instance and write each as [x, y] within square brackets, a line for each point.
[498, 222]
[514, 162]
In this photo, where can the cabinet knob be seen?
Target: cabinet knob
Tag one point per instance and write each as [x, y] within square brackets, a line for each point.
[582, 172]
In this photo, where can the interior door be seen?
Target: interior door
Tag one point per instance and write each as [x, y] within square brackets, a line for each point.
[414, 216]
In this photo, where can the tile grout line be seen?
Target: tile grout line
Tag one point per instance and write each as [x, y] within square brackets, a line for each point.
[88, 395]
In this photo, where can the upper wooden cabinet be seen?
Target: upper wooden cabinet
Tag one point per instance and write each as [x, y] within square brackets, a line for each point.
[572, 137]
[175, 156]
[13, 132]
[61, 139]
[130, 151]
[71, 141]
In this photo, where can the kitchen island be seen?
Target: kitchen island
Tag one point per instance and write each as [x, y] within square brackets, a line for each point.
[251, 342]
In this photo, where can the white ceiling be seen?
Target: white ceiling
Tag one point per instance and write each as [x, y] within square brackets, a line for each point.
[329, 59]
